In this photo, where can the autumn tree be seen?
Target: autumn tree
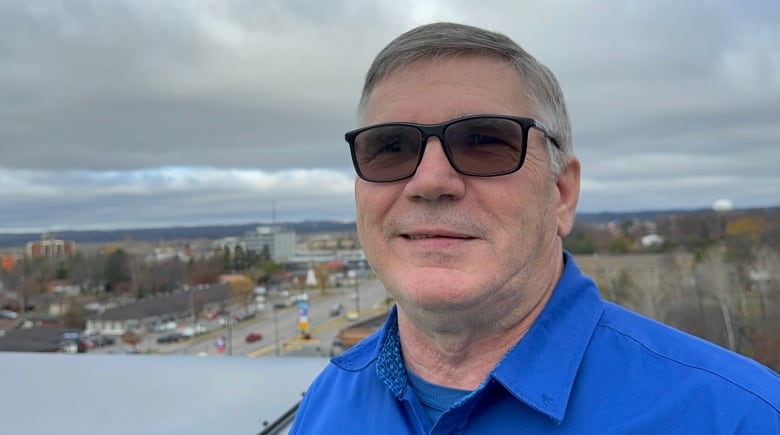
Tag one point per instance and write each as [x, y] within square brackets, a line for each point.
[749, 227]
[322, 273]
[204, 271]
[242, 290]
[742, 235]
[132, 338]
[75, 316]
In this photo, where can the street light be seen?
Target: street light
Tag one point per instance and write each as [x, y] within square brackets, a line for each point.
[356, 296]
[276, 331]
[192, 291]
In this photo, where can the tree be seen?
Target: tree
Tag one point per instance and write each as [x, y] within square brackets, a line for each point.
[742, 235]
[750, 227]
[242, 289]
[117, 268]
[132, 338]
[75, 316]
[28, 287]
[322, 272]
[239, 259]
[262, 271]
[718, 279]
[265, 254]
[227, 259]
[205, 271]
[619, 244]
[579, 242]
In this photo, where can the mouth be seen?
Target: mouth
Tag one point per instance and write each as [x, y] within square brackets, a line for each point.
[436, 235]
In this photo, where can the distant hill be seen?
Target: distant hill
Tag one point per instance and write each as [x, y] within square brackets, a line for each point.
[309, 227]
[641, 215]
[656, 215]
[172, 233]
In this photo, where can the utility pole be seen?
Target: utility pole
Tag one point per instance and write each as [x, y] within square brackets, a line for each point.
[357, 293]
[230, 336]
[276, 333]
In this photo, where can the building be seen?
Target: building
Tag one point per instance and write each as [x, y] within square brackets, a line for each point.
[229, 244]
[148, 312]
[48, 247]
[8, 261]
[280, 242]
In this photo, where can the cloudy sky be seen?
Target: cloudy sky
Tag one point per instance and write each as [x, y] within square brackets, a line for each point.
[144, 113]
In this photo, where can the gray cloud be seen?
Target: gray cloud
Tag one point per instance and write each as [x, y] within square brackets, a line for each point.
[674, 104]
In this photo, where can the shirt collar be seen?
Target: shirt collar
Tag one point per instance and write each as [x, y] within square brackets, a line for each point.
[539, 370]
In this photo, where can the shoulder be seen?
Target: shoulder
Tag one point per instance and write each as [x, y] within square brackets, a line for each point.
[348, 396]
[676, 353]
[353, 371]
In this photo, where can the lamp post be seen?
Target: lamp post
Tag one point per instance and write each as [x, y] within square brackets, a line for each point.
[230, 337]
[192, 303]
[192, 306]
[356, 295]
[276, 332]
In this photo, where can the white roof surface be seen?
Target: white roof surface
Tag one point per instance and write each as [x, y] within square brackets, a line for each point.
[149, 394]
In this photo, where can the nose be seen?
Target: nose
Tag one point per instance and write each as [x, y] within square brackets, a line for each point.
[435, 177]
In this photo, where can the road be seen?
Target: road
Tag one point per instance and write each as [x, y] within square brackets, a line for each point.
[279, 327]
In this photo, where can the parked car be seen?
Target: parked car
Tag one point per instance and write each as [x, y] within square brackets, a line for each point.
[89, 343]
[253, 336]
[242, 315]
[336, 309]
[278, 305]
[72, 342]
[174, 337]
[103, 340]
[165, 326]
[191, 331]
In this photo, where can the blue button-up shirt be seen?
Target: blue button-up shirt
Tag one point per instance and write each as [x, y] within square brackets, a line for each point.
[586, 366]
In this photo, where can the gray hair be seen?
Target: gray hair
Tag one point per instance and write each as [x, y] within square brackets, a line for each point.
[451, 39]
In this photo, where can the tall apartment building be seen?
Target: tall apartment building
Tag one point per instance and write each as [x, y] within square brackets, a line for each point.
[50, 248]
[281, 242]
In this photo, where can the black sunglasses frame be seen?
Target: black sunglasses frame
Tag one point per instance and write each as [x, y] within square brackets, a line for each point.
[438, 130]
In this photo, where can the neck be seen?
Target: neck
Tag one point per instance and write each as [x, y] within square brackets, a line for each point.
[463, 357]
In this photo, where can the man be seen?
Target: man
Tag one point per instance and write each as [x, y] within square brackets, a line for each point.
[466, 184]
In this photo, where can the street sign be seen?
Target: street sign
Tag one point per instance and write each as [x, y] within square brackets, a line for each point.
[220, 343]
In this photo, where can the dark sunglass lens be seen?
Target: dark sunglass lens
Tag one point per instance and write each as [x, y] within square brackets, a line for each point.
[388, 152]
[486, 146]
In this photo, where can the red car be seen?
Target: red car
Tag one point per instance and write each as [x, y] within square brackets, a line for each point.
[253, 336]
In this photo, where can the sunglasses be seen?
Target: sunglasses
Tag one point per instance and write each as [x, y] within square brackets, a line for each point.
[480, 146]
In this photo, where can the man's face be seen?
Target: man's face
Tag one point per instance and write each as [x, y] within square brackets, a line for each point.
[444, 242]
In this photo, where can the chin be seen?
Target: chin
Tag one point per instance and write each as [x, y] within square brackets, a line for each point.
[438, 294]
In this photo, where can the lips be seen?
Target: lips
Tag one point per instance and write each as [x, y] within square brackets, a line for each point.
[424, 236]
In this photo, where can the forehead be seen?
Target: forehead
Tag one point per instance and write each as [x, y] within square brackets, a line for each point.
[439, 89]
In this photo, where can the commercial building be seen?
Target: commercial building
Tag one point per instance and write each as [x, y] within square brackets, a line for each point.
[280, 242]
[48, 247]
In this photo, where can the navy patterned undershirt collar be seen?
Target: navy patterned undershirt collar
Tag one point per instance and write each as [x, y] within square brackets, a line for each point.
[390, 366]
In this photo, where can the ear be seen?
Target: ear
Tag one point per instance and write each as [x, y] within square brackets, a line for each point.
[568, 183]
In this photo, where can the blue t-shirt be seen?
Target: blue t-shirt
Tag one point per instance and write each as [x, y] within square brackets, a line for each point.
[435, 399]
[585, 366]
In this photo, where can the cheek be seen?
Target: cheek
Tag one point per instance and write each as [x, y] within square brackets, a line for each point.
[372, 205]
